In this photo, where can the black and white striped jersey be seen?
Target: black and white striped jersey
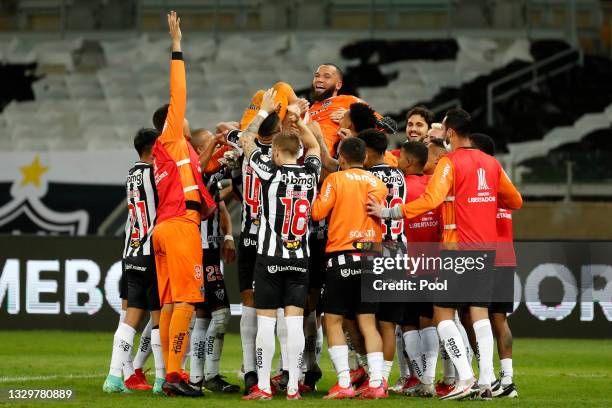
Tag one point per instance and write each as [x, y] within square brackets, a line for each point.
[212, 236]
[287, 193]
[392, 230]
[251, 192]
[142, 202]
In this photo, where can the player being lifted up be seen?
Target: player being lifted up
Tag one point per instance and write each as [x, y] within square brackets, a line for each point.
[139, 271]
[281, 269]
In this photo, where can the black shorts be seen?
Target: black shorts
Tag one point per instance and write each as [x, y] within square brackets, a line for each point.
[503, 290]
[469, 288]
[342, 290]
[413, 311]
[141, 282]
[123, 282]
[280, 282]
[247, 255]
[215, 294]
[390, 312]
[316, 262]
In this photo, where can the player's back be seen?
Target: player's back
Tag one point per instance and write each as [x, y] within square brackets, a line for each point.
[425, 227]
[142, 201]
[392, 230]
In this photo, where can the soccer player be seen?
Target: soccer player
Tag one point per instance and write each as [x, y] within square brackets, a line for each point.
[281, 270]
[183, 202]
[393, 237]
[352, 235]
[418, 123]
[423, 232]
[213, 315]
[505, 264]
[471, 184]
[139, 276]
[435, 151]
[436, 131]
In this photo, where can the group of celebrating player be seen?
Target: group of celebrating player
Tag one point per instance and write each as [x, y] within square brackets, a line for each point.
[321, 195]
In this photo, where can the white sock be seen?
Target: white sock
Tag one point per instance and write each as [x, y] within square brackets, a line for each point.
[506, 371]
[401, 357]
[484, 340]
[158, 356]
[310, 341]
[447, 364]
[122, 314]
[215, 337]
[339, 357]
[414, 349]
[248, 332]
[466, 340]
[197, 341]
[144, 346]
[265, 343]
[123, 342]
[319, 346]
[375, 362]
[295, 349]
[430, 342]
[387, 367]
[281, 332]
[188, 351]
[453, 343]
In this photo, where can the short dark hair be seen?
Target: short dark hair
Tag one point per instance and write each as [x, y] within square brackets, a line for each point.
[145, 139]
[159, 117]
[484, 143]
[375, 140]
[418, 150]
[437, 142]
[387, 124]
[459, 120]
[269, 125]
[338, 69]
[422, 111]
[288, 142]
[362, 116]
[353, 150]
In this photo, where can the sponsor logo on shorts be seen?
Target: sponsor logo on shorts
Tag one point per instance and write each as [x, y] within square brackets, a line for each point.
[133, 267]
[346, 272]
[198, 271]
[220, 294]
[279, 268]
[249, 242]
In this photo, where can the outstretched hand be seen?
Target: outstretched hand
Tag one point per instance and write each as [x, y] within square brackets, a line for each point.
[174, 27]
[267, 102]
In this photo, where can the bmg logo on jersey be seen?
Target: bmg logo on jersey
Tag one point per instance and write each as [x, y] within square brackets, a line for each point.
[291, 179]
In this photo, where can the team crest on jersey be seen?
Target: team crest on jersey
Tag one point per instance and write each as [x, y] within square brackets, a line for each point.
[363, 245]
[326, 103]
[292, 245]
[198, 272]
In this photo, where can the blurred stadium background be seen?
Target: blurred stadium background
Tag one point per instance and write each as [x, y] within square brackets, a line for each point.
[79, 77]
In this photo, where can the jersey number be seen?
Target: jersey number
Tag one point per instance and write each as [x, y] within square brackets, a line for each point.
[296, 216]
[252, 185]
[138, 212]
[396, 226]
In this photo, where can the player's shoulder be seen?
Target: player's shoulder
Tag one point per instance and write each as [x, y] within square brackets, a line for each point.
[347, 100]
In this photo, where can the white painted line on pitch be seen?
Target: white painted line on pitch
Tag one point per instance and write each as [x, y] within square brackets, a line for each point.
[51, 377]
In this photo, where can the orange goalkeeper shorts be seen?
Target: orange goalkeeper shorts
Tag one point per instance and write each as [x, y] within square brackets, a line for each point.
[178, 258]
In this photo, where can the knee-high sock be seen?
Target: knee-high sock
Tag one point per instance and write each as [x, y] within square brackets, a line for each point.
[319, 346]
[310, 341]
[466, 340]
[144, 346]
[215, 337]
[414, 349]
[188, 350]
[387, 367]
[484, 341]
[447, 364]
[430, 342]
[265, 343]
[295, 350]
[453, 343]
[179, 339]
[158, 356]
[401, 356]
[164, 334]
[248, 332]
[506, 371]
[123, 342]
[281, 332]
[375, 363]
[197, 353]
[339, 357]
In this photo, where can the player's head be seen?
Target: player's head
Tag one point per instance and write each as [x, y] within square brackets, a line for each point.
[457, 126]
[436, 131]
[358, 117]
[418, 121]
[413, 156]
[326, 83]
[387, 124]
[270, 126]
[159, 119]
[484, 143]
[351, 153]
[144, 141]
[285, 148]
[435, 151]
[376, 145]
[200, 138]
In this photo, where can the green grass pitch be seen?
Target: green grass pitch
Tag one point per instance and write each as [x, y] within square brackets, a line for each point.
[548, 373]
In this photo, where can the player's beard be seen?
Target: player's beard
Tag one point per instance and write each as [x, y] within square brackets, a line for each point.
[318, 97]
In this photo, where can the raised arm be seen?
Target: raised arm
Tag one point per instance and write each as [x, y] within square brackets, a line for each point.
[247, 139]
[507, 195]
